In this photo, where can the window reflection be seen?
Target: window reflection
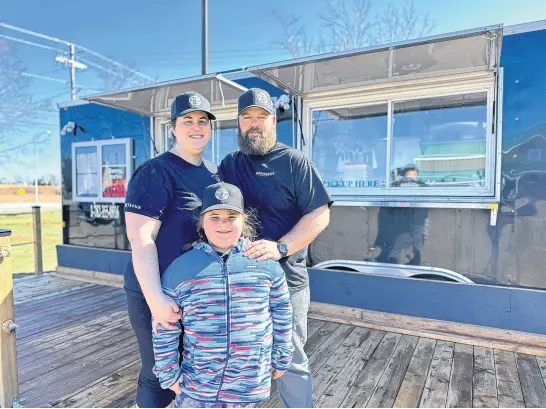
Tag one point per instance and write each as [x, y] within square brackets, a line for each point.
[349, 146]
[439, 142]
[225, 134]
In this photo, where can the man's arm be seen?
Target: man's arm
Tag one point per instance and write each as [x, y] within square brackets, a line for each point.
[301, 235]
[307, 229]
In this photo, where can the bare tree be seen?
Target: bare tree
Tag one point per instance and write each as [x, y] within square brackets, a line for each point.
[116, 78]
[350, 24]
[18, 108]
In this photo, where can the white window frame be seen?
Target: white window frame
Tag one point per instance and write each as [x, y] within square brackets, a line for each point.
[411, 90]
[99, 144]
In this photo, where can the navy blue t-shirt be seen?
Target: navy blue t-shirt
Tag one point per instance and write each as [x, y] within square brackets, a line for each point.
[282, 186]
[165, 188]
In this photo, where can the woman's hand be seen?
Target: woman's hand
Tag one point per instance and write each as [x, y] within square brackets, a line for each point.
[164, 311]
[176, 387]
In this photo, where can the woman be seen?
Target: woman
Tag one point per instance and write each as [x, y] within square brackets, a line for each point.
[158, 213]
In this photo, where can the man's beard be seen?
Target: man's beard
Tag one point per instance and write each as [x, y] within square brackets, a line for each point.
[257, 145]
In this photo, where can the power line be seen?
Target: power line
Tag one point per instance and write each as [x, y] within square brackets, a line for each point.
[83, 60]
[43, 77]
[19, 40]
[67, 43]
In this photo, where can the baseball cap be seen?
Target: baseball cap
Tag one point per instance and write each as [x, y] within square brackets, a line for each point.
[255, 97]
[190, 102]
[222, 196]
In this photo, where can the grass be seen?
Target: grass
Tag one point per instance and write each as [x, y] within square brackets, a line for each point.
[22, 232]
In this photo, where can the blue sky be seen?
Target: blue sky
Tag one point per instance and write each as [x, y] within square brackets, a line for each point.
[163, 40]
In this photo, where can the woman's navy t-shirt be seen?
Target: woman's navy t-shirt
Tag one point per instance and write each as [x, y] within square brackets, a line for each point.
[168, 188]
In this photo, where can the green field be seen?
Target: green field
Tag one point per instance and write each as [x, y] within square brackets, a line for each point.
[21, 232]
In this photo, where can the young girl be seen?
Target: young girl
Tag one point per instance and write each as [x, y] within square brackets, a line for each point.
[237, 315]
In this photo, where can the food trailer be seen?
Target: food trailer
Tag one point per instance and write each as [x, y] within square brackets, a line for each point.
[433, 150]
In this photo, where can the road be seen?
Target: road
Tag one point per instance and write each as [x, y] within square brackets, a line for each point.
[27, 207]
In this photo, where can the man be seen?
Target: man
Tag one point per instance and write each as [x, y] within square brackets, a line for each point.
[293, 207]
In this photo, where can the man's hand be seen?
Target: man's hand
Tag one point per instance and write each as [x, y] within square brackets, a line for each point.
[264, 249]
[164, 311]
[176, 387]
[277, 374]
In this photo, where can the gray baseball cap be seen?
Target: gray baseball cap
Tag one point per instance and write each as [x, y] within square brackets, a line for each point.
[255, 97]
[190, 102]
[222, 196]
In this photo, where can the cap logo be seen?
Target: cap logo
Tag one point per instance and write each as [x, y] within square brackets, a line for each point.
[262, 97]
[194, 101]
[221, 194]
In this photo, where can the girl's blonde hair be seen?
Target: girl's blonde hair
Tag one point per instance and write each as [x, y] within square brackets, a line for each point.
[250, 227]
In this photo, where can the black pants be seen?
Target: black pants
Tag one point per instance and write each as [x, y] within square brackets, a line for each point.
[149, 391]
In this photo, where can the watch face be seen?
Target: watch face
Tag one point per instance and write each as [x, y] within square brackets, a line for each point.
[283, 249]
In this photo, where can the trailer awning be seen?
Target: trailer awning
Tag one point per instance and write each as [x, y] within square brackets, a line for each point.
[465, 51]
[155, 99]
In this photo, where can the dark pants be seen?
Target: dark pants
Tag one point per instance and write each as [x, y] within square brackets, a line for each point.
[149, 391]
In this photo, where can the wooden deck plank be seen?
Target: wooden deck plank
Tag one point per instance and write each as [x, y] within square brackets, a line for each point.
[437, 383]
[31, 346]
[58, 307]
[313, 343]
[85, 363]
[484, 389]
[42, 287]
[81, 377]
[313, 326]
[413, 384]
[320, 336]
[318, 358]
[106, 392]
[362, 389]
[338, 389]
[508, 386]
[337, 360]
[460, 385]
[58, 360]
[66, 297]
[389, 384]
[44, 317]
[74, 342]
[541, 361]
[532, 384]
[53, 324]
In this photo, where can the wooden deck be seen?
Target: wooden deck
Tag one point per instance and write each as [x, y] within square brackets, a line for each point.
[75, 348]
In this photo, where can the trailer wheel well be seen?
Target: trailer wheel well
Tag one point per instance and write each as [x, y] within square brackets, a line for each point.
[435, 277]
[341, 268]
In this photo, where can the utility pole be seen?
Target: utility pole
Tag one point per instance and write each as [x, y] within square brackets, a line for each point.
[72, 64]
[72, 73]
[205, 38]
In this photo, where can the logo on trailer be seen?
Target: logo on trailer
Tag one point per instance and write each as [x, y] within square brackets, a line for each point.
[221, 194]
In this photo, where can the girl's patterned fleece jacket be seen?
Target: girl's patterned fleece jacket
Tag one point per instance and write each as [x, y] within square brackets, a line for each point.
[237, 320]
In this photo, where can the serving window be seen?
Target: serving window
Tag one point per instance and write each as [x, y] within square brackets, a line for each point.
[101, 170]
[421, 140]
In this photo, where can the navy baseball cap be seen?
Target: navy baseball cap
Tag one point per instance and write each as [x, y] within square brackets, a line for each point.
[190, 102]
[222, 196]
[255, 97]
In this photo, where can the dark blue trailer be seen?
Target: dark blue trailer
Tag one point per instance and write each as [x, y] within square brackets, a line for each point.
[434, 150]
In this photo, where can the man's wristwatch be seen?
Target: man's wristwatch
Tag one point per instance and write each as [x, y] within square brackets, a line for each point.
[283, 248]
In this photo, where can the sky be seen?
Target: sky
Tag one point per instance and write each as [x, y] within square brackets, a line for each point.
[163, 41]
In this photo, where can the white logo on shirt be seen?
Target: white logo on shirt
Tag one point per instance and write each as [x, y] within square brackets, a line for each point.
[265, 173]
